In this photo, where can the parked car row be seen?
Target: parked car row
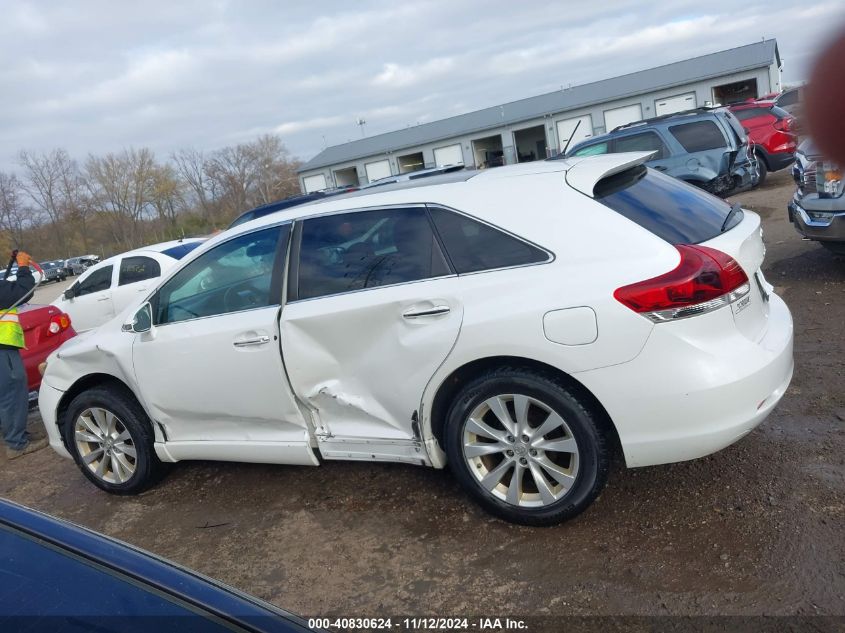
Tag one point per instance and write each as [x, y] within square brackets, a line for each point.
[415, 323]
[721, 150]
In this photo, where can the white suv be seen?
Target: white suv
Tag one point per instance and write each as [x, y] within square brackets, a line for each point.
[516, 324]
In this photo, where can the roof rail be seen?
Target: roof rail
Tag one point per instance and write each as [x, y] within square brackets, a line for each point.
[663, 117]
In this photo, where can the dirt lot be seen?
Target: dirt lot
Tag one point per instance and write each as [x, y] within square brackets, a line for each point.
[754, 529]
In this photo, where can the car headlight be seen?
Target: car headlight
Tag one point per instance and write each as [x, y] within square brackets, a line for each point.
[829, 180]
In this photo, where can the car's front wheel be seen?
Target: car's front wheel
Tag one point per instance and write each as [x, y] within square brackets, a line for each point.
[527, 448]
[110, 438]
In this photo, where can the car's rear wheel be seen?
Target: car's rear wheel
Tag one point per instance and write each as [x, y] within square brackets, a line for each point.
[525, 447]
[762, 169]
[110, 438]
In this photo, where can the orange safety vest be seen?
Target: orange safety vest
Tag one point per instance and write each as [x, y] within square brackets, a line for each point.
[11, 332]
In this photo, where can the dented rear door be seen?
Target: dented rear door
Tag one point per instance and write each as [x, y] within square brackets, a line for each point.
[371, 315]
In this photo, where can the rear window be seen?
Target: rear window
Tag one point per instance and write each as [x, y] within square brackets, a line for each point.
[750, 113]
[671, 209]
[179, 251]
[698, 136]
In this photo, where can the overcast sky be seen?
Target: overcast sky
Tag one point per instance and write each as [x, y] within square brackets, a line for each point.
[99, 76]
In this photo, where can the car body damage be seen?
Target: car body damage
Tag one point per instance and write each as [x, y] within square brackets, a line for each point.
[368, 385]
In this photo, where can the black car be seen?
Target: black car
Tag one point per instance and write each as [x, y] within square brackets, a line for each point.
[57, 576]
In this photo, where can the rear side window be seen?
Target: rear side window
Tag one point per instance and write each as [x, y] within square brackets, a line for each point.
[591, 150]
[645, 142]
[788, 98]
[698, 136]
[134, 269]
[671, 209]
[367, 249]
[473, 246]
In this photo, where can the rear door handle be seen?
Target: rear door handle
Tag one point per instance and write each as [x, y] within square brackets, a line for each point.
[260, 340]
[661, 168]
[103, 299]
[426, 312]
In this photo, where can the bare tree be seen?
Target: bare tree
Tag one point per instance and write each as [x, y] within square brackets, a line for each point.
[13, 215]
[167, 193]
[43, 178]
[122, 188]
[192, 168]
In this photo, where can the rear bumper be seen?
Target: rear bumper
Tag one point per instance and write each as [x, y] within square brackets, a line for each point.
[48, 405]
[779, 160]
[697, 388]
[828, 225]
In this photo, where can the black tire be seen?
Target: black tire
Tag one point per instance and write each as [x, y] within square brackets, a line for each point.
[763, 169]
[593, 447]
[147, 467]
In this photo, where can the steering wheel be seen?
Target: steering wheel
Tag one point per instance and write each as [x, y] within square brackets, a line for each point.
[241, 297]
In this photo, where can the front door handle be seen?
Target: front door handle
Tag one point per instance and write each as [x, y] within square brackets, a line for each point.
[414, 313]
[261, 340]
[103, 299]
[661, 168]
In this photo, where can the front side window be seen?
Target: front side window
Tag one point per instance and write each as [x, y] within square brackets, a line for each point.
[366, 249]
[134, 269]
[473, 246]
[233, 276]
[698, 136]
[95, 282]
[645, 142]
[591, 150]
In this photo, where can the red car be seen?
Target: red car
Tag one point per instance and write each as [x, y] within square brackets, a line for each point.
[45, 329]
[771, 129]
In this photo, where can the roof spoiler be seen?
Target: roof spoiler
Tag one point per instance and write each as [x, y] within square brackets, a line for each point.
[586, 174]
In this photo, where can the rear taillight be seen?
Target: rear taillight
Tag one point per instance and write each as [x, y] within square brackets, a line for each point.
[58, 323]
[704, 280]
[785, 124]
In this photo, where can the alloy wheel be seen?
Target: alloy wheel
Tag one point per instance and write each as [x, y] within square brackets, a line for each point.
[520, 450]
[105, 445]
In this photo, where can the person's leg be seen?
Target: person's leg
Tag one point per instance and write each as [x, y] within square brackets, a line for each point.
[14, 404]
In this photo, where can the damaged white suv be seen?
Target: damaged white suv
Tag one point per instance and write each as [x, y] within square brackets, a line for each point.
[517, 324]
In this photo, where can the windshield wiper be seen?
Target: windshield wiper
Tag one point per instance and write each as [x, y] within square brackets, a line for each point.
[735, 208]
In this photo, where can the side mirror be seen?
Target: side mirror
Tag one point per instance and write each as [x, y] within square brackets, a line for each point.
[141, 321]
[70, 293]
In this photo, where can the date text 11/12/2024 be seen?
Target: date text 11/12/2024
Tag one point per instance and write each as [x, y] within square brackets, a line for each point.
[418, 624]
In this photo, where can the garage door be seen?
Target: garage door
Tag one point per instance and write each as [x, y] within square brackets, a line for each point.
[566, 128]
[314, 183]
[379, 169]
[450, 155]
[678, 103]
[620, 116]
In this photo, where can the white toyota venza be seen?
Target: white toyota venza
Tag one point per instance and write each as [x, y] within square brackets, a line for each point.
[518, 324]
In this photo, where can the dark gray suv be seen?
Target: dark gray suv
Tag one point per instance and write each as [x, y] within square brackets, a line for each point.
[706, 147]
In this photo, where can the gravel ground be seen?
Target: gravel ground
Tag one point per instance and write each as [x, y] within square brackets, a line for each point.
[754, 529]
